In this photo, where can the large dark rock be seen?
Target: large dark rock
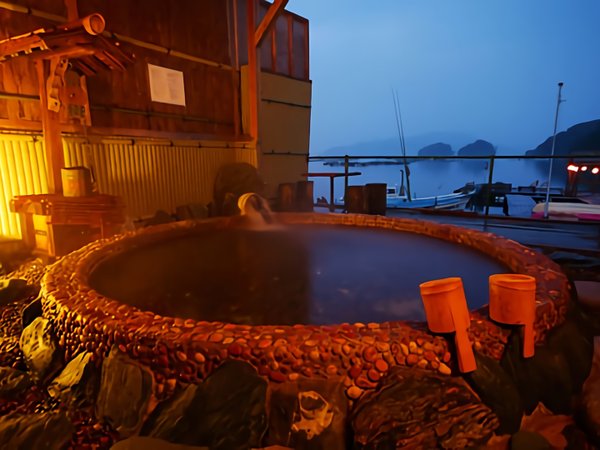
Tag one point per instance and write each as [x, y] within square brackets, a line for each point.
[191, 211]
[160, 217]
[31, 311]
[77, 384]
[557, 370]
[231, 182]
[545, 378]
[439, 149]
[126, 395]
[498, 391]
[12, 290]
[421, 409]
[590, 398]
[226, 412]
[146, 443]
[47, 431]
[577, 346]
[309, 414]
[39, 349]
[13, 383]
[528, 440]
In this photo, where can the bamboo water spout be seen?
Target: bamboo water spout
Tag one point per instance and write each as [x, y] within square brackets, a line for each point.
[257, 210]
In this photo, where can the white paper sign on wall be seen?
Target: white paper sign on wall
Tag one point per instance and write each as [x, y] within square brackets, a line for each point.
[166, 85]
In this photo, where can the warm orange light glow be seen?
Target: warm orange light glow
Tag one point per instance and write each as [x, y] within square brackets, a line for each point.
[573, 168]
[584, 168]
[595, 170]
[23, 171]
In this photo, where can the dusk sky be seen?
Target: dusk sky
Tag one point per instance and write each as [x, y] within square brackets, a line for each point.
[486, 68]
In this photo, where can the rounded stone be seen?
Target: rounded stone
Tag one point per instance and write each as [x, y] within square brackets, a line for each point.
[373, 375]
[412, 359]
[277, 376]
[354, 372]
[429, 355]
[354, 392]
[264, 343]
[369, 354]
[444, 369]
[215, 337]
[381, 365]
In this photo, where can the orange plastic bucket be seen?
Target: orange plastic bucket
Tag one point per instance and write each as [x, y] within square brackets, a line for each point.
[512, 302]
[447, 312]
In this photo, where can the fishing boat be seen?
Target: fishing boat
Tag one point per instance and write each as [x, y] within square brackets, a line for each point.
[455, 201]
[398, 198]
[568, 211]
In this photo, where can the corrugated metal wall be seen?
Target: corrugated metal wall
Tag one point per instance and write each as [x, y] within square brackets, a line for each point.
[22, 171]
[148, 176]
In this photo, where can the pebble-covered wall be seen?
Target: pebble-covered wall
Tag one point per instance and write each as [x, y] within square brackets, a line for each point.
[184, 351]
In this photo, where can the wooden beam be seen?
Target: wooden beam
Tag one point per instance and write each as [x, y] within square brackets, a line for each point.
[253, 69]
[79, 131]
[274, 10]
[52, 132]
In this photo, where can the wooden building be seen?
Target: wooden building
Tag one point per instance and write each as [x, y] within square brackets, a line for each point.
[200, 92]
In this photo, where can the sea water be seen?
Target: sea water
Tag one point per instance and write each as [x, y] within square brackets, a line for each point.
[430, 178]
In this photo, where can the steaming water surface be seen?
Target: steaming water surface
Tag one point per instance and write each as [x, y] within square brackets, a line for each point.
[305, 275]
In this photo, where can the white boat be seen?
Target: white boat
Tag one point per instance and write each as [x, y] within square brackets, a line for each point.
[573, 211]
[397, 198]
[454, 201]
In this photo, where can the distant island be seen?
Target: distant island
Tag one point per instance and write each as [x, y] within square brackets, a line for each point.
[438, 149]
[580, 139]
[478, 148]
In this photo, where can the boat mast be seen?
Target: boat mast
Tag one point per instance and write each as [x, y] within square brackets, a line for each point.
[402, 142]
[558, 102]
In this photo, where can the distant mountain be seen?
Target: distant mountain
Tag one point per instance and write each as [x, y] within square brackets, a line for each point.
[478, 148]
[439, 149]
[391, 146]
[583, 138]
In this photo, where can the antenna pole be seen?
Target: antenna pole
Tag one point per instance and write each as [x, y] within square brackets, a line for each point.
[558, 102]
[402, 142]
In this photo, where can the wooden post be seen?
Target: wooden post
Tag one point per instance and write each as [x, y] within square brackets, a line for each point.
[346, 167]
[255, 37]
[489, 186]
[252, 70]
[52, 134]
[72, 11]
[235, 72]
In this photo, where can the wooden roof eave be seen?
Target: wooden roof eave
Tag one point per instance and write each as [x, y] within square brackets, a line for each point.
[76, 40]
